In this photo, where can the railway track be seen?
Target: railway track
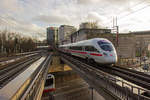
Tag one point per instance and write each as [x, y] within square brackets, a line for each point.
[11, 72]
[138, 78]
[104, 75]
[6, 60]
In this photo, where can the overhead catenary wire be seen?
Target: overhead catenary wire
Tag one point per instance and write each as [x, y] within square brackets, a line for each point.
[132, 12]
[135, 11]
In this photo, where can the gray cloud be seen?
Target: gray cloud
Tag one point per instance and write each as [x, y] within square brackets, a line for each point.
[30, 15]
[88, 1]
[11, 6]
[19, 26]
[53, 19]
[95, 16]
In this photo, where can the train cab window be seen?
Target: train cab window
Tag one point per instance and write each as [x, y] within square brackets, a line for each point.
[90, 48]
[104, 45]
[102, 42]
[49, 82]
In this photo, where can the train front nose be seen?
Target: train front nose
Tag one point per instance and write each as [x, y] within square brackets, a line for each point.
[115, 59]
[112, 58]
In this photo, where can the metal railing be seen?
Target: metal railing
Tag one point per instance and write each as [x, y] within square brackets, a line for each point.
[39, 76]
[110, 84]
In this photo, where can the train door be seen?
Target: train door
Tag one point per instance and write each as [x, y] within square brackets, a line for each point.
[92, 53]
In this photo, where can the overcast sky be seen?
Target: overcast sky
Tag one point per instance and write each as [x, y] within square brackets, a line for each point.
[31, 17]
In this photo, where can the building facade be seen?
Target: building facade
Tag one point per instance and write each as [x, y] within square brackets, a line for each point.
[64, 33]
[87, 33]
[89, 25]
[142, 43]
[126, 46]
[52, 35]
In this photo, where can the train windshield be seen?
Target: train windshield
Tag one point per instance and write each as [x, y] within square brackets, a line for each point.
[49, 82]
[106, 46]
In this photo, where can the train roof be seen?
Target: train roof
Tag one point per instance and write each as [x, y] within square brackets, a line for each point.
[84, 42]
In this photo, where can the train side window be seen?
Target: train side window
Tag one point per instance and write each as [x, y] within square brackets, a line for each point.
[90, 48]
[67, 47]
[87, 48]
[95, 50]
[79, 48]
[83, 48]
[70, 47]
[75, 48]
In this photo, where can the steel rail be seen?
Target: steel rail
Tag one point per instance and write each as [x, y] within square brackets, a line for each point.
[10, 73]
[141, 75]
[138, 78]
[31, 92]
[134, 77]
[7, 63]
[15, 89]
[110, 79]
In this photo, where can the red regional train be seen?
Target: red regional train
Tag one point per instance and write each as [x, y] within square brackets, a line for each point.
[50, 83]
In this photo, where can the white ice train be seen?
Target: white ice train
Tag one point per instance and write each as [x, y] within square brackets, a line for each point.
[98, 50]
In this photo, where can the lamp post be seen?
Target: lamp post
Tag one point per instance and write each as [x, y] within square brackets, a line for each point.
[140, 56]
[2, 45]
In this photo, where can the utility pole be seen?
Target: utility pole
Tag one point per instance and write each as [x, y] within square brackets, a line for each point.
[117, 33]
[116, 30]
[2, 45]
[140, 56]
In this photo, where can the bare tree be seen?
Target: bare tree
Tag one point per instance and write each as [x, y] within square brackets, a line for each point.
[13, 43]
[94, 25]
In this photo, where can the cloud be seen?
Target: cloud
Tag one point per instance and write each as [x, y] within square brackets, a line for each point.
[20, 26]
[53, 19]
[33, 16]
[10, 5]
[88, 1]
[95, 16]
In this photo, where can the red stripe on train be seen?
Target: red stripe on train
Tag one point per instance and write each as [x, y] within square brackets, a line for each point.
[96, 54]
[79, 52]
[83, 52]
[49, 90]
